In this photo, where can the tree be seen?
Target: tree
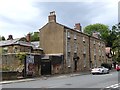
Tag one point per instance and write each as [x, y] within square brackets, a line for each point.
[34, 36]
[101, 28]
[115, 33]
[111, 37]
[2, 38]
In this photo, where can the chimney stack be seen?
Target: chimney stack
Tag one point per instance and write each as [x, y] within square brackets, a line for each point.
[52, 17]
[10, 37]
[78, 27]
[28, 37]
[96, 34]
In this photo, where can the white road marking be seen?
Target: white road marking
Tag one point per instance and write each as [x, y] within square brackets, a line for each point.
[114, 86]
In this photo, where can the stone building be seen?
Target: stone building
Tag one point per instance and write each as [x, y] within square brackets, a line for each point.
[19, 45]
[12, 47]
[80, 51]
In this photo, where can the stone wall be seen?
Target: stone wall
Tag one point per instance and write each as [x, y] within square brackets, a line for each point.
[11, 63]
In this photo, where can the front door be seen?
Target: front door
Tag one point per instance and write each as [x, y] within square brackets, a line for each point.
[45, 67]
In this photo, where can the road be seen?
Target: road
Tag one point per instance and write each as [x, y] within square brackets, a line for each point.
[66, 81]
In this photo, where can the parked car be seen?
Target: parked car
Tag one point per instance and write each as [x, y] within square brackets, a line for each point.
[100, 70]
[118, 67]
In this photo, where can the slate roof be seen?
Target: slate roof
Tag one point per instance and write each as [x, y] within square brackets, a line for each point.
[34, 45]
[8, 42]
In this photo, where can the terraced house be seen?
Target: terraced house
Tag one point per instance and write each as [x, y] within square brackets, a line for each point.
[79, 51]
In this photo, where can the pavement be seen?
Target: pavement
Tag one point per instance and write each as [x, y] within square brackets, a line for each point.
[44, 77]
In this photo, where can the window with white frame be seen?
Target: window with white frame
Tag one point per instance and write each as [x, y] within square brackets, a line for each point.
[94, 51]
[68, 35]
[99, 52]
[68, 46]
[83, 39]
[94, 42]
[68, 59]
[95, 61]
[84, 50]
[102, 45]
[84, 57]
[75, 36]
[99, 44]
[75, 47]
[103, 53]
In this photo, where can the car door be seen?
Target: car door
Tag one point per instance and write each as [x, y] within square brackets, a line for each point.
[104, 70]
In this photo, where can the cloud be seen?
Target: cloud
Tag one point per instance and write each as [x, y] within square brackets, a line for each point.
[19, 17]
[17, 9]
[86, 13]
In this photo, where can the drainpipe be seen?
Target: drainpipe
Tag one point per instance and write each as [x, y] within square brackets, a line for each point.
[66, 48]
[90, 62]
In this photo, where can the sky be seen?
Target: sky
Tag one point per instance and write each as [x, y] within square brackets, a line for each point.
[19, 17]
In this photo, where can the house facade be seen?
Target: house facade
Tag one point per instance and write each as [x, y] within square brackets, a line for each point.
[80, 52]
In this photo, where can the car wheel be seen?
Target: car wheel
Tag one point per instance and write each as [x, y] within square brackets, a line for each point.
[108, 72]
[103, 72]
[93, 73]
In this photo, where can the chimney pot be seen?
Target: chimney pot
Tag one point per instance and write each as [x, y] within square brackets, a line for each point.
[28, 37]
[78, 26]
[96, 34]
[52, 17]
[10, 37]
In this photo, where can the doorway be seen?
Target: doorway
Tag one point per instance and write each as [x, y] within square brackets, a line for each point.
[46, 67]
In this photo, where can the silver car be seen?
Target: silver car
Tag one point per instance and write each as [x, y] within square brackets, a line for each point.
[100, 70]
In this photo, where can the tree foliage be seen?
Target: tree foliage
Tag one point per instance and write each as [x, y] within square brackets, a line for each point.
[101, 28]
[111, 37]
[115, 34]
[35, 36]
[2, 38]
[21, 56]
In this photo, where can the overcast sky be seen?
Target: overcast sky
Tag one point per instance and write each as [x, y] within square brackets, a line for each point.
[19, 17]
